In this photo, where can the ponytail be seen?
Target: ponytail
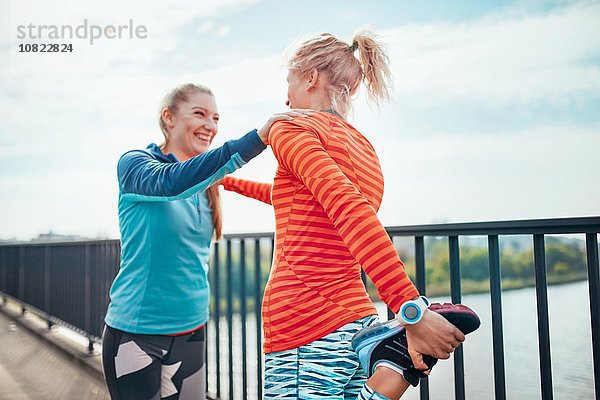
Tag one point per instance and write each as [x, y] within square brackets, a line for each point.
[344, 71]
[375, 66]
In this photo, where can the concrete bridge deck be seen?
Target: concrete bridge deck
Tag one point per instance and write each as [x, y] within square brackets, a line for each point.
[32, 367]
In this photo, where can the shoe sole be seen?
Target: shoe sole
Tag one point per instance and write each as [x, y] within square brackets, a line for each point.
[375, 333]
[459, 315]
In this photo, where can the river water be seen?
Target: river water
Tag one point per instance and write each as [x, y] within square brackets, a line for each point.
[570, 336]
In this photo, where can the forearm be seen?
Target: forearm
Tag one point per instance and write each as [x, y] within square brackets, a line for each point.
[371, 246]
[255, 190]
[143, 178]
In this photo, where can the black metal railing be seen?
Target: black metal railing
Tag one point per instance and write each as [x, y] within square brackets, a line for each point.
[65, 283]
[590, 226]
[68, 283]
[253, 258]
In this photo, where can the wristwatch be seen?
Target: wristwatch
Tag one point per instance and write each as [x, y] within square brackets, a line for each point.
[412, 311]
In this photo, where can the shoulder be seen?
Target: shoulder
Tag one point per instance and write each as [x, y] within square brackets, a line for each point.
[152, 152]
[317, 124]
[133, 155]
[132, 160]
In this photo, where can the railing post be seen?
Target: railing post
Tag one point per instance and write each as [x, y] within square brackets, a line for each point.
[420, 279]
[22, 279]
[3, 272]
[591, 242]
[47, 287]
[217, 291]
[87, 292]
[497, 329]
[243, 318]
[541, 289]
[229, 268]
[420, 276]
[257, 311]
[455, 292]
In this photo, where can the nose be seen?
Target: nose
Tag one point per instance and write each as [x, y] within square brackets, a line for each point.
[211, 125]
[287, 103]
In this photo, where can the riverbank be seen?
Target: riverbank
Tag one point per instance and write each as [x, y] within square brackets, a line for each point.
[474, 287]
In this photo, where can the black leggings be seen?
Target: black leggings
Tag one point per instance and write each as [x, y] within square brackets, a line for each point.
[154, 367]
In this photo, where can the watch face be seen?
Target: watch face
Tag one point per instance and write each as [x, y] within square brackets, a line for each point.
[411, 312]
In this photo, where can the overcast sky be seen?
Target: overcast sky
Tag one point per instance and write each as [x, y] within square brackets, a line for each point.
[495, 114]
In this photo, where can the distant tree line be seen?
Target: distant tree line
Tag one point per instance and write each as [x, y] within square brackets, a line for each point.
[565, 262]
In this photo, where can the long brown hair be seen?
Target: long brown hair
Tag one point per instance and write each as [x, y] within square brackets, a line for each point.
[171, 101]
[335, 58]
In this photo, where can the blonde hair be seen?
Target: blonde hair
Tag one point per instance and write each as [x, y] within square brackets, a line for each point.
[171, 101]
[335, 58]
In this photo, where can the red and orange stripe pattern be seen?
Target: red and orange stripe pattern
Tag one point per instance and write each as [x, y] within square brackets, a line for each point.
[326, 192]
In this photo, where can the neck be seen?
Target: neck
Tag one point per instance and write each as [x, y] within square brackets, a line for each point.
[180, 155]
[319, 100]
[321, 105]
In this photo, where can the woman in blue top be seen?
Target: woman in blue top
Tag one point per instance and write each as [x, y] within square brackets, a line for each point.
[153, 344]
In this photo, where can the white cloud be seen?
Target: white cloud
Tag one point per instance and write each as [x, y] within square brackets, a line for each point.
[223, 31]
[89, 111]
[75, 202]
[508, 58]
[539, 172]
[206, 27]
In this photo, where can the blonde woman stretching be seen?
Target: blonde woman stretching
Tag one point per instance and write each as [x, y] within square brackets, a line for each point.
[327, 189]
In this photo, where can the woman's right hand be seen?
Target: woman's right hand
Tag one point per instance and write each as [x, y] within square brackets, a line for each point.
[433, 336]
[263, 132]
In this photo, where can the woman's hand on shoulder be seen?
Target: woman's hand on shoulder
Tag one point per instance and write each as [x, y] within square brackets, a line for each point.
[263, 132]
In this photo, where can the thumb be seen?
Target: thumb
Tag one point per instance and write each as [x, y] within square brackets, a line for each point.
[417, 359]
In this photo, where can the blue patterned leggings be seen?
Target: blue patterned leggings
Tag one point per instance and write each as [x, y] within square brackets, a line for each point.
[327, 368]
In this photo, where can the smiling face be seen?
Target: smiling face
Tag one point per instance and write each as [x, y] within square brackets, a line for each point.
[192, 126]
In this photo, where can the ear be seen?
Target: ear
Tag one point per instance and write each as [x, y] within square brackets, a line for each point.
[167, 117]
[312, 79]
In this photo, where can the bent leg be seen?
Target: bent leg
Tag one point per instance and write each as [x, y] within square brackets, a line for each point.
[387, 384]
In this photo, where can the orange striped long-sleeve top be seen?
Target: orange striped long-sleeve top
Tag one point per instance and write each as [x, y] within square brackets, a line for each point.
[327, 189]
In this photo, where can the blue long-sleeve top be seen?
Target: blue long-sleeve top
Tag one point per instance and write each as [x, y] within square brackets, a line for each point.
[166, 230]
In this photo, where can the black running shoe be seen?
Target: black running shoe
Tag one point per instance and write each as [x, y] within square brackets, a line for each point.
[385, 343]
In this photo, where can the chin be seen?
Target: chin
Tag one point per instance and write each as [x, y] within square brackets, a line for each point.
[201, 150]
